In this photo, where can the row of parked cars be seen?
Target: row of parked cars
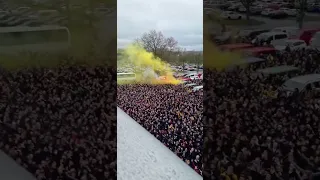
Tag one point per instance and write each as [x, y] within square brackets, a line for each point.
[26, 16]
[276, 14]
[292, 36]
[269, 10]
[275, 4]
[313, 7]
[187, 67]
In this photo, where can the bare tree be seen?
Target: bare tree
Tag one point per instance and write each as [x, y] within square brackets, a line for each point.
[157, 43]
[301, 11]
[247, 4]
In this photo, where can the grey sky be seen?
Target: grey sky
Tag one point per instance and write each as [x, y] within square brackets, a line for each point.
[181, 19]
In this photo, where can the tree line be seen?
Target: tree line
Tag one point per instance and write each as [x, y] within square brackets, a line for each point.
[168, 49]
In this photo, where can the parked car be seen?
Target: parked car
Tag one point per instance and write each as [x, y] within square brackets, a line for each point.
[242, 9]
[197, 88]
[234, 7]
[267, 38]
[235, 47]
[224, 6]
[267, 12]
[289, 12]
[301, 84]
[230, 15]
[252, 33]
[314, 7]
[292, 31]
[307, 34]
[256, 10]
[257, 52]
[287, 5]
[293, 44]
[278, 14]
[270, 72]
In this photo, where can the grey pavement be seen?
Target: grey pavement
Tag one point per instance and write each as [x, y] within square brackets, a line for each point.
[10, 170]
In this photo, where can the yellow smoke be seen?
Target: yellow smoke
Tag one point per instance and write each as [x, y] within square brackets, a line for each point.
[213, 57]
[140, 59]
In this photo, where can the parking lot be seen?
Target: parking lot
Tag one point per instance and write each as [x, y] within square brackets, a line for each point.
[15, 15]
[267, 14]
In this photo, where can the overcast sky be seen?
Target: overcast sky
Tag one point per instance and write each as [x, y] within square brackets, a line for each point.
[181, 19]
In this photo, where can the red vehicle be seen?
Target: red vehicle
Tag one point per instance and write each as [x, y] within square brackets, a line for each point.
[192, 76]
[257, 51]
[232, 47]
[307, 34]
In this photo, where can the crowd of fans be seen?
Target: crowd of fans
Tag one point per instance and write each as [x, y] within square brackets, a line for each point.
[254, 131]
[60, 124]
[172, 113]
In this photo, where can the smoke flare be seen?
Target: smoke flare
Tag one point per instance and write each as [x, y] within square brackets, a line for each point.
[148, 68]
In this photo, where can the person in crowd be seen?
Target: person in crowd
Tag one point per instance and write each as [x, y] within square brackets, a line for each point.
[59, 123]
[254, 130]
[172, 113]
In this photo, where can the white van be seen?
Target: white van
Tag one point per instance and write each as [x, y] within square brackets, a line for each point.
[294, 44]
[301, 83]
[197, 88]
[268, 37]
[190, 85]
[315, 41]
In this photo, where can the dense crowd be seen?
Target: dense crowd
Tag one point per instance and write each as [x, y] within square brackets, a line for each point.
[172, 113]
[256, 132]
[60, 123]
